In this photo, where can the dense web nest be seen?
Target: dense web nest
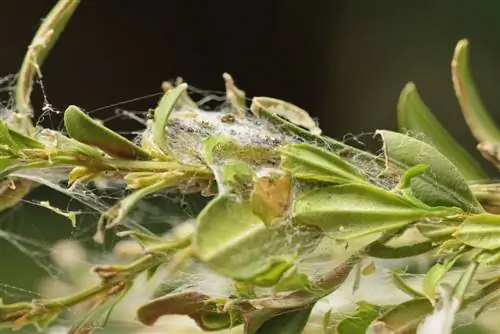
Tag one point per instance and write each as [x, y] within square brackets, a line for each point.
[66, 263]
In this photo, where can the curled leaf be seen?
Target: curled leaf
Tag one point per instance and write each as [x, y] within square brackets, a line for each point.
[88, 131]
[234, 95]
[480, 123]
[414, 115]
[286, 110]
[162, 114]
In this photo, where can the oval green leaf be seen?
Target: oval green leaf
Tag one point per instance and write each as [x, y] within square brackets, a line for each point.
[480, 231]
[441, 185]
[349, 211]
[226, 238]
[308, 162]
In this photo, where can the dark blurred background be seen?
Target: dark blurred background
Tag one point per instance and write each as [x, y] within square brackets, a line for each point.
[345, 61]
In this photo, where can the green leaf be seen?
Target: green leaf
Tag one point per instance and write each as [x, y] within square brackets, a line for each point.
[72, 146]
[402, 286]
[308, 162]
[24, 141]
[162, 114]
[118, 212]
[349, 211]
[441, 185]
[415, 116]
[383, 251]
[435, 232]
[460, 288]
[403, 318]
[436, 274]
[327, 319]
[480, 122]
[359, 322]
[481, 231]
[6, 138]
[289, 322]
[225, 240]
[88, 131]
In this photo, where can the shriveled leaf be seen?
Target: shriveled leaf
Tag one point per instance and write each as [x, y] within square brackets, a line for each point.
[415, 116]
[261, 110]
[162, 114]
[480, 123]
[12, 191]
[289, 322]
[441, 185]
[308, 162]
[228, 232]
[235, 96]
[88, 131]
[436, 274]
[354, 210]
[359, 322]
[270, 197]
[481, 231]
[287, 110]
[404, 317]
[191, 303]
